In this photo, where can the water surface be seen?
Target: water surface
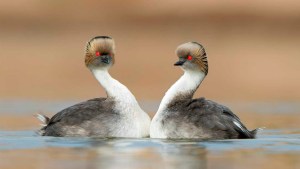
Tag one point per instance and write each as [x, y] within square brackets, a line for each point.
[275, 147]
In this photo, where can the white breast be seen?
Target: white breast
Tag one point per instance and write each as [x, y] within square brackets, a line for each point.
[135, 121]
[156, 128]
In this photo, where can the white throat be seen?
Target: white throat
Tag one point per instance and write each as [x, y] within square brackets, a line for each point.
[186, 84]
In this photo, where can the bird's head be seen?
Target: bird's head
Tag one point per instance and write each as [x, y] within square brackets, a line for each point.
[192, 56]
[100, 52]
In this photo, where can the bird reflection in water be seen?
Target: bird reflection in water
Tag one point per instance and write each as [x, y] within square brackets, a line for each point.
[136, 154]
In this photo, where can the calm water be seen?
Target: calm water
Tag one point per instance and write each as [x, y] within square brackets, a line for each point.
[274, 148]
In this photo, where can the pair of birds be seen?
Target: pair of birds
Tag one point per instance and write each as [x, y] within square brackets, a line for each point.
[119, 115]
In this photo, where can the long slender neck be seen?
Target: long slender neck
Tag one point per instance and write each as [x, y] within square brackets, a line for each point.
[184, 87]
[113, 88]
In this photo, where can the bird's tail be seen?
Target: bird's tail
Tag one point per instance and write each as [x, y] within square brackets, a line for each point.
[44, 119]
[255, 131]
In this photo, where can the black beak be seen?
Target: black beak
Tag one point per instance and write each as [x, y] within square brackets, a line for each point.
[179, 63]
[105, 59]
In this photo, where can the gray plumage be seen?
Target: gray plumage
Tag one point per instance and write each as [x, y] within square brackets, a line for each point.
[201, 118]
[95, 117]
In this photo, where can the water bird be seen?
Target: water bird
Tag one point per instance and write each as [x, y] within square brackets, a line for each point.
[118, 115]
[180, 116]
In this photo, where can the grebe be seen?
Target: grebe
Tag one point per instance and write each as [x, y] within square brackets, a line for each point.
[181, 116]
[118, 115]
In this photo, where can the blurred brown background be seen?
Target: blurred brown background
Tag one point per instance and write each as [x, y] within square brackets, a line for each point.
[252, 47]
[253, 51]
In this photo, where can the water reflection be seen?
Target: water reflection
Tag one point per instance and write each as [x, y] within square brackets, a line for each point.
[146, 154]
[272, 148]
[183, 156]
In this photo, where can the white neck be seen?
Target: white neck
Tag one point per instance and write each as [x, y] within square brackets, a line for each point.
[113, 88]
[187, 84]
[136, 122]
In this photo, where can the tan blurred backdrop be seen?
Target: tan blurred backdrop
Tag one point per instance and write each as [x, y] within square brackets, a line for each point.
[253, 47]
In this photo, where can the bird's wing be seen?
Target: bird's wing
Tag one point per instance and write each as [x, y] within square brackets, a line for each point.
[80, 112]
[218, 116]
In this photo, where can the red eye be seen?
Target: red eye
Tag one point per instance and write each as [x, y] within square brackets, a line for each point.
[189, 57]
[98, 53]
